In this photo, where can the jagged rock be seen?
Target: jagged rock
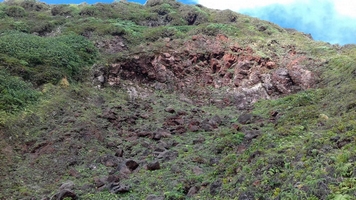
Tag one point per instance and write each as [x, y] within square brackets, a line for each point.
[162, 133]
[302, 77]
[193, 128]
[193, 125]
[270, 65]
[343, 142]
[185, 99]
[144, 134]
[109, 161]
[249, 76]
[206, 126]
[157, 136]
[235, 127]
[160, 149]
[153, 166]
[99, 182]
[197, 170]
[193, 191]
[119, 188]
[131, 164]
[245, 118]
[65, 194]
[282, 81]
[179, 129]
[114, 45]
[119, 152]
[215, 121]
[113, 178]
[69, 185]
[170, 109]
[215, 187]
[167, 155]
[123, 170]
[246, 97]
[249, 135]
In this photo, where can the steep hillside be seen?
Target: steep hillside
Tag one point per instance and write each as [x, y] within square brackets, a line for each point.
[170, 101]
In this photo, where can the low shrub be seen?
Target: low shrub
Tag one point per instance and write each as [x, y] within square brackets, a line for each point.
[42, 27]
[134, 12]
[46, 60]
[151, 3]
[92, 26]
[15, 93]
[215, 28]
[15, 11]
[193, 15]
[224, 16]
[153, 34]
[64, 10]
[89, 11]
[19, 26]
[33, 5]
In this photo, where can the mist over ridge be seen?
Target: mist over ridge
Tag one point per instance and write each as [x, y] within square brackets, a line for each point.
[325, 20]
[319, 18]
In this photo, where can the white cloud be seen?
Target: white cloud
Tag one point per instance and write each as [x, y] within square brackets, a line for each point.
[344, 7]
[239, 4]
[327, 20]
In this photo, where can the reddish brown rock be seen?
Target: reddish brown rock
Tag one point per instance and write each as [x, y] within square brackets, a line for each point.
[228, 60]
[282, 81]
[204, 60]
[270, 65]
[215, 65]
[113, 178]
[302, 77]
[131, 164]
[222, 37]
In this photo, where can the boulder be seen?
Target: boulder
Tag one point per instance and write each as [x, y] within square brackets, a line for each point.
[153, 166]
[131, 164]
[246, 97]
[282, 81]
[302, 77]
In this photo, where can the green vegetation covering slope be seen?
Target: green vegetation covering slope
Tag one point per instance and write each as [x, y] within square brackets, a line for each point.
[138, 134]
[46, 60]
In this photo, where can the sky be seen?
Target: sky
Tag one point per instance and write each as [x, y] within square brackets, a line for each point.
[332, 21]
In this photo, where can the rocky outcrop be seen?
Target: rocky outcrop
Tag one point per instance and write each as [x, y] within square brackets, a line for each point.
[235, 72]
[113, 45]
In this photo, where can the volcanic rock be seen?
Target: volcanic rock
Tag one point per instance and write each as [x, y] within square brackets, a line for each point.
[153, 166]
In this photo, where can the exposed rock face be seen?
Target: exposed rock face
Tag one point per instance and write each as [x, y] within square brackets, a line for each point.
[248, 96]
[114, 45]
[65, 191]
[217, 62]
[302, 77]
